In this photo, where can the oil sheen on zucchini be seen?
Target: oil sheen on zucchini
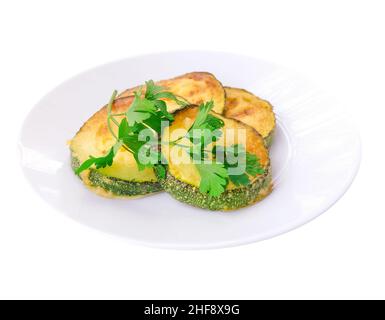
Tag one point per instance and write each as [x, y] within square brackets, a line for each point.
[252, 110]
[182, 179]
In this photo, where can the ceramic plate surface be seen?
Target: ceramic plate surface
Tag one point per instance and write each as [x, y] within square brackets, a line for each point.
[315, 154]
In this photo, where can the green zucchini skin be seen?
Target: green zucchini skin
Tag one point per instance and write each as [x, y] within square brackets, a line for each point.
[229, 200]
[118, 187]
[269, 139]
[122, 188]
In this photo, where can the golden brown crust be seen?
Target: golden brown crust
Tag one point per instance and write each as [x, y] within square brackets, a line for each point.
[250, 109]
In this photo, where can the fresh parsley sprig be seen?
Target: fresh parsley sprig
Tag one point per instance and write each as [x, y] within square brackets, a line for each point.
[251, 163]
[100, 162]
[204, 120]
[214, 178]
[216, 172]
[145, 112]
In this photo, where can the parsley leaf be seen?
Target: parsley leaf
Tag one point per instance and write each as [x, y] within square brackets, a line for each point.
[238, 152]
[170, 96]
[154, 121]
[142, 148]
[205, 128]
[213, 123]
[140, 110]
[144, 113]
[204, 110]
[124, 129]
[152, 89]
[204, 120]
[160, 171]
[162, 109]
[100, 162]
[241, 179]
[253, 166]
[213, 178]
[155, 92]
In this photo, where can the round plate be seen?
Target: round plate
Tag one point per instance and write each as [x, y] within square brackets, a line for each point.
[315, 154]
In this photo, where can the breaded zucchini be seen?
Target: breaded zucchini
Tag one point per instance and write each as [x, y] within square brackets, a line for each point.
[252, 110]
[195, 87]
[122, 179]
[183, 179]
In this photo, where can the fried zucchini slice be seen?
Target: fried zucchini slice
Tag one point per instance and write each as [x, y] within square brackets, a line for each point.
[252, 110]
[195, 87]
[121, 180]
[183, 179]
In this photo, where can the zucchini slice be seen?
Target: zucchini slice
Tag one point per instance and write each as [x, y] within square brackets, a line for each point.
[183, 179]
[121, 180]
[195, 87]
[252, 110]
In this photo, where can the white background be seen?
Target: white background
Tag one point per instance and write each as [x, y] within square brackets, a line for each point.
[341, 254]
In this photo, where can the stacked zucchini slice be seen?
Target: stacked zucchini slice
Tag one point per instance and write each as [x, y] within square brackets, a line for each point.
[251, 110]
[237, 108]
[183, 179]
[123, 179]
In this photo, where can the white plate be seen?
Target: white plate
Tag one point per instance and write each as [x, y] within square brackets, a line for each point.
[315, 155]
